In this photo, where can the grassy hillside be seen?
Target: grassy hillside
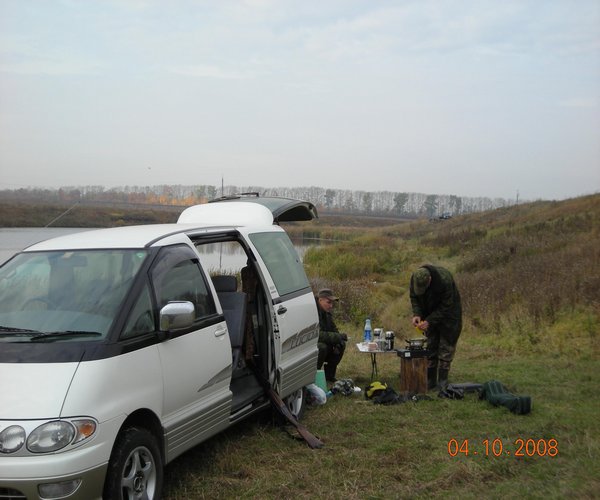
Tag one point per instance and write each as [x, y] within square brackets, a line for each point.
[16, 214]
[529, 275]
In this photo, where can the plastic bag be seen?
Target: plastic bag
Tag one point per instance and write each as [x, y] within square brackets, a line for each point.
[315, 395]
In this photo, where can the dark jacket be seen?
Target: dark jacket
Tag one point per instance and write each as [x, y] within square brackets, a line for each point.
[328, 331]
[440, 304]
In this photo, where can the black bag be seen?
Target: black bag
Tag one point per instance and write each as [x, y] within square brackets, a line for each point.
[494, 392]
[388, 397]
[458, 391]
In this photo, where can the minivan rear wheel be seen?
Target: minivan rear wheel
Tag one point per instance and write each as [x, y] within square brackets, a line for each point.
[135, 469]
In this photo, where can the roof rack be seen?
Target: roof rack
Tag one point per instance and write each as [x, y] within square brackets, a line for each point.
[235, 196]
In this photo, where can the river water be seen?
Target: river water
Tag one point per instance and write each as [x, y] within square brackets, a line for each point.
[13, 240]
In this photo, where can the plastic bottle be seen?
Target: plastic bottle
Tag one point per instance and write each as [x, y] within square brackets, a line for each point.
[367, 337]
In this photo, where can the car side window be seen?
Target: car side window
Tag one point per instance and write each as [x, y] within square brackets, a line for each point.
[178, 276]
[282, 261]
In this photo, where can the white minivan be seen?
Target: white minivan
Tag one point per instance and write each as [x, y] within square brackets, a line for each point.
[122, 348]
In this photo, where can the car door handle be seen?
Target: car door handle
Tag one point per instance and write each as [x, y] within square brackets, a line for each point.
[220, 331]
[281, 310]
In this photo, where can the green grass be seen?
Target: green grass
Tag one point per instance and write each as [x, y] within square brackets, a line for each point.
[401, 451]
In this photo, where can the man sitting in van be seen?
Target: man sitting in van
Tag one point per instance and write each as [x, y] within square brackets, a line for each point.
[332, 343]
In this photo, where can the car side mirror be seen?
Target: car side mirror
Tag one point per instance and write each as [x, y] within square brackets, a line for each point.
[177, 315]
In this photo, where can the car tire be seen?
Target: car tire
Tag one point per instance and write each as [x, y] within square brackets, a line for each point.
[135, 469]
[296, 403]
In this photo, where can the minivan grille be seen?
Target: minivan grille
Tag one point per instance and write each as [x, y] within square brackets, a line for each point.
[10, 494]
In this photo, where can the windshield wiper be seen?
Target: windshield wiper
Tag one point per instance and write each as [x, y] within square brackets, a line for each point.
[62, 334]
[9, 331]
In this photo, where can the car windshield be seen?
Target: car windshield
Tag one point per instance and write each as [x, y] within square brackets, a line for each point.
[64, 295]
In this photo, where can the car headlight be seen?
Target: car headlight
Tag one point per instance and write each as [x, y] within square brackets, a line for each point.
[12, 439]
[51, 436]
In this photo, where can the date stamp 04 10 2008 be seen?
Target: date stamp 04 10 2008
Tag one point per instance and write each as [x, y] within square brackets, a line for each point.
[495, 448]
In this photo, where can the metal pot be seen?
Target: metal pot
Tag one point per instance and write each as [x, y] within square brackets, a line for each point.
[417, 343]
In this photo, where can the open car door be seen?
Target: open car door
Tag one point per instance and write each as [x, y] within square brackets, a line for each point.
[292, 305]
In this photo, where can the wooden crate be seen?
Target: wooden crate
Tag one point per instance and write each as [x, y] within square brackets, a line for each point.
[413, 375]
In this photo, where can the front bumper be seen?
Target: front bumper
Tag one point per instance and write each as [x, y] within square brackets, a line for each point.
[82, 485]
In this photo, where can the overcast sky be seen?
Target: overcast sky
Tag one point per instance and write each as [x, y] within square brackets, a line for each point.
[471, 98]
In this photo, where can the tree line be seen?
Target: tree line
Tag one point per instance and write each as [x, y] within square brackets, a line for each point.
[376, 203]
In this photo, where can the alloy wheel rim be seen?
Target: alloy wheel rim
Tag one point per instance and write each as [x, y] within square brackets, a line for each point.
[139, 475]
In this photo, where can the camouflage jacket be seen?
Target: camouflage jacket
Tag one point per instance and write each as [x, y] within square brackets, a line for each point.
[440, 304]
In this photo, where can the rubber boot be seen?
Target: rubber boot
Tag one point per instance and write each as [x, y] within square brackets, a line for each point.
[432, 373]
[443, 378]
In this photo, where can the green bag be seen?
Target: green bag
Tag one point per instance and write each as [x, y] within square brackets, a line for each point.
[494, 392]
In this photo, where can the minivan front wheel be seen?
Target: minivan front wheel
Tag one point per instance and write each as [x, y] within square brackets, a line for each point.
[135, 469]
[296, 403]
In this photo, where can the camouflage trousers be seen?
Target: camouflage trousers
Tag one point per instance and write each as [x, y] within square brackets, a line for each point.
[441, 342]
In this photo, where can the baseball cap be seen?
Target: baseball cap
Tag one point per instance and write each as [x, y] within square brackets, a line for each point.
[421, 280]
[326, 293]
